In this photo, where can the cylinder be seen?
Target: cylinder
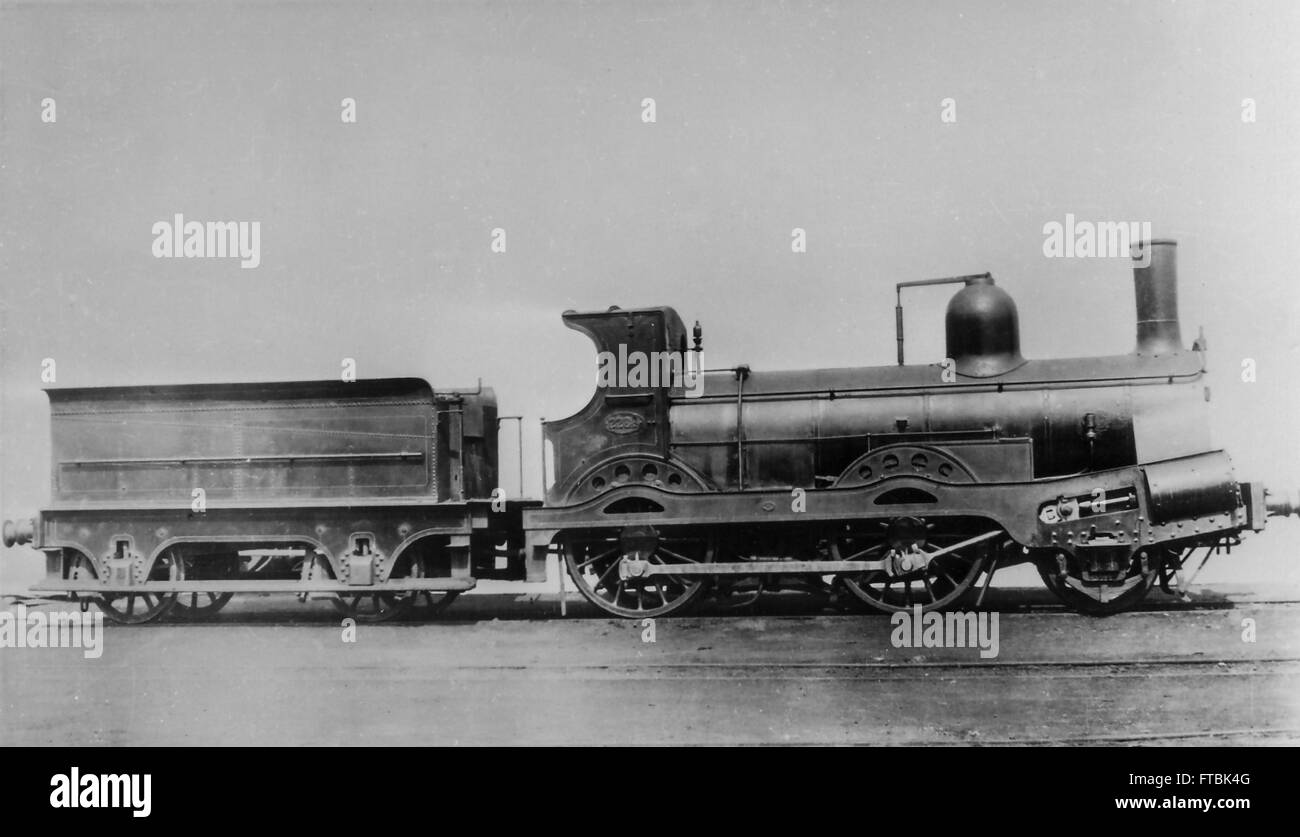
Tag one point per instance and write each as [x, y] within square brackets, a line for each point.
[1156, 286]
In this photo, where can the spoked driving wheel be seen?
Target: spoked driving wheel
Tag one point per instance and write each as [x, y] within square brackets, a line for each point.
[933, 571]
[138, 608]
[381, 607]
[609, 568]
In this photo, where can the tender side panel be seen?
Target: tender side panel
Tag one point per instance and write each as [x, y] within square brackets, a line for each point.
[250, 442]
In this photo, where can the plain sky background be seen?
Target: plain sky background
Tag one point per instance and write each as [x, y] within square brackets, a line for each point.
[527, 116]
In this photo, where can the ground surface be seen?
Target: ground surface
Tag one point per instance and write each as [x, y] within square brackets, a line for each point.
[506, 669]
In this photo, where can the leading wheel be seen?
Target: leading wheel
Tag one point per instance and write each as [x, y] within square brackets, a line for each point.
[1093, 599]
[603, 565]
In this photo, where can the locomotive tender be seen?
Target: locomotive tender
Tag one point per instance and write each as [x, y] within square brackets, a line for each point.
[890, 487]
[172, 498]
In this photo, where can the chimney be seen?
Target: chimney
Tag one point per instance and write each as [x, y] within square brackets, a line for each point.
[1156, 286]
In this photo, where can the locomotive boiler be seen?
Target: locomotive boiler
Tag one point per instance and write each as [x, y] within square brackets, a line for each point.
[903, 485]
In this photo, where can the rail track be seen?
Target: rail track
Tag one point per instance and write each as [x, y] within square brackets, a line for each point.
[285, 608]
[509, 670]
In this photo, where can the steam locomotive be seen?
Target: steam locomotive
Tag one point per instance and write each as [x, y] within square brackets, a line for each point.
[886, 487]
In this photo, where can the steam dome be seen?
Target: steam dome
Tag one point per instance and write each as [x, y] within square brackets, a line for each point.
[983, 330]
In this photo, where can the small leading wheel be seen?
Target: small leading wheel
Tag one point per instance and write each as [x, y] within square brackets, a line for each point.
[604, 566]
[138, 608]
[381, 607]
[205, 604]
[1100, 599]
[934, 583]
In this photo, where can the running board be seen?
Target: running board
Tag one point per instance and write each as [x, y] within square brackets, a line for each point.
[284, 586]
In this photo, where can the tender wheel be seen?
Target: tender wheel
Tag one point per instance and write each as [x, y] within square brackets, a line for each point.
[934, 583]
[205, 604]
[602, 564]
[381, 607]
[138, 608]
[199, 605]
[436, 602]
[1097, 599]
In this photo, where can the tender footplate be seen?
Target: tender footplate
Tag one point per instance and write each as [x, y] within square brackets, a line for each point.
[269, 586]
